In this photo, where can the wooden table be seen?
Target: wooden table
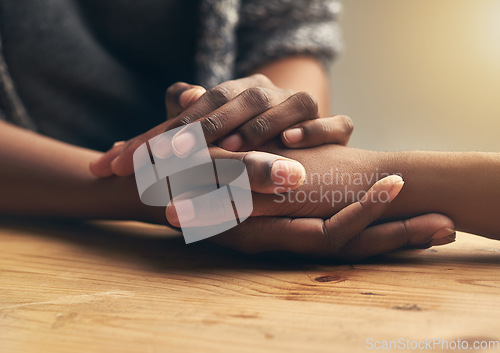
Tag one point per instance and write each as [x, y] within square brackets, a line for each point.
[128, 287]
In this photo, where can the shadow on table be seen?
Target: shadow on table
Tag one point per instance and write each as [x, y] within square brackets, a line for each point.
[163, 249]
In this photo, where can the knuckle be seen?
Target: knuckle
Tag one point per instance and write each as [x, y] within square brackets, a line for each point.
[261, 79]
[306, 103]
[332, 239]
[219, 95]
[406, 229]
[212, 124]
[185, 120]
[259, 97]
[260, 126]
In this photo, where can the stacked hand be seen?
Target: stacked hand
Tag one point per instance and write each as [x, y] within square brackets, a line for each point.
[245, 114]
[238, 115]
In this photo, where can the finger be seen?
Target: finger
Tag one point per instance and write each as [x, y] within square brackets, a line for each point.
[211, 100]
[219, 95]
[343, 236]
[391, 236]
[261, 234]
[315, 236]
[336, 129]
[353, 219]
[303, 236]
[123, 164]
[180, 96]
[119, 160]
[218, 123]
[208, 102]
[264, 127]
[194, 209]
[102, 167]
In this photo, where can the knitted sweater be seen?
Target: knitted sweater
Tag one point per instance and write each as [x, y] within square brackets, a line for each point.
[234, 37]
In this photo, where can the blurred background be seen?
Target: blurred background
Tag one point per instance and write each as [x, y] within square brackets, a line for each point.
[420, 74]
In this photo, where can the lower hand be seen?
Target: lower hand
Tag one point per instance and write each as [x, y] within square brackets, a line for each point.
[345, 235]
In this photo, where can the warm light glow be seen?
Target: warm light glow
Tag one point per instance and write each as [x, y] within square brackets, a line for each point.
[487, 31]
[421, 74]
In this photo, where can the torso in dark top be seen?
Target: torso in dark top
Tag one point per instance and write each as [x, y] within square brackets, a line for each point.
[91, 72]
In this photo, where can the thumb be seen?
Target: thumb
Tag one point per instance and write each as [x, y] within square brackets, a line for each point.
[268, 173]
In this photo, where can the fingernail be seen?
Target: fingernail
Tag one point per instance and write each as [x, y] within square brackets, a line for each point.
[185, 211]
[162, 147]
[232, 143]
[118, 143]
[443, 241]
[187, 97]
[294, 135]
[396, 184]
[442, 233]
[287, 173]
[396, 188]
[183, 143]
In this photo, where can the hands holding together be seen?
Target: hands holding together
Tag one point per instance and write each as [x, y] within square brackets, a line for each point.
[244, 115]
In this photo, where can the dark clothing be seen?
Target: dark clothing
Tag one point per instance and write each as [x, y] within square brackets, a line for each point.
[91, 72]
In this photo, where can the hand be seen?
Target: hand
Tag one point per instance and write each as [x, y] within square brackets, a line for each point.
[241, 115]
[346, 235]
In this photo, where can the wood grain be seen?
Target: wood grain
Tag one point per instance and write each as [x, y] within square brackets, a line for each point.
[128, 287]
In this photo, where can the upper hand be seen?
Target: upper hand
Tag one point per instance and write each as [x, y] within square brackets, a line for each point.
[240, 115]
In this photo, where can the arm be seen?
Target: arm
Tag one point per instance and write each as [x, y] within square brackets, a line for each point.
[462, 185]
[291, 43]
[301, 73]
[44, 177]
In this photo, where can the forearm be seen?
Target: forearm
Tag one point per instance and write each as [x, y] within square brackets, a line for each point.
[301, 74]
[462, 185]
[44, 177]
